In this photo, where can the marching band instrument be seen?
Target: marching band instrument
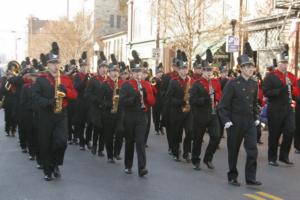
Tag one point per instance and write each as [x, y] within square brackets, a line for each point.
[187, 107]
[140, 88]
[115, 97]
[58, 95]
[153, 81]
[212, 96]
[289, 84]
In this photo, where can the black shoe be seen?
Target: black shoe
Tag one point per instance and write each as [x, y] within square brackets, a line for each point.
[82, 148]
[70, 142]
[186, 157]
[101, 154]
[143, 172]
[75, 141]
[170, 152]
[118, 157]
[197, 167]
[146, 146]
[94, 149]
[297, 151]
[209, 164]
[39, 166]
[56, 172]
[128, 171]
[24, 150]
[286, 161]
[253, 183]
[7, 134]
[273, 163]
[176, 158]
[47, 177]
[234, 182]
[31, 158]
[157, 133]
[110, 160]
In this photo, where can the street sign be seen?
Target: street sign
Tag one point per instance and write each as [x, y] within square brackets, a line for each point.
[155, 53]
[232, 43]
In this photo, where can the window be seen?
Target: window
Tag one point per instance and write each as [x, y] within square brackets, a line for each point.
[111, 20]
[118, 21]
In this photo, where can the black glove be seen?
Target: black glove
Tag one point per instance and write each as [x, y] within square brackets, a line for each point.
[62, 88]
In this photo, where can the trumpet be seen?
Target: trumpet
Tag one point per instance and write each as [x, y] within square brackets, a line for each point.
[153, 81]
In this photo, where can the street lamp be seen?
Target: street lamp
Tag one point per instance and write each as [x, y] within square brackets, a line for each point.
[96, 50]
[233, 24]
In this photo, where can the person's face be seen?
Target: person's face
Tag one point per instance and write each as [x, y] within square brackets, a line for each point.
[52, 67]
[283, 66]
[158, 75]
[183, 72]
[247, 70]
[198, 70]
[134, 74]
[124, 76]
[175, 68]
[102, 70]
[84, 69]
[207, 73]
[114, 74]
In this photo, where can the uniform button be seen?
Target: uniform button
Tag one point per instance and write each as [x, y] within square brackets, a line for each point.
[247, 97]
[244, 89]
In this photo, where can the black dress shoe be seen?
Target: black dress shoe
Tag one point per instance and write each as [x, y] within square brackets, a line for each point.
[176, 158]
[170, 152]
[47, 177]
[143, 172]
[297, 151]
[56, 172]
[186, 157]
[118, 157]
[94, 149]
[82, 148]
[197, 167]
[253, 183]
[234, 182]
[31, 158]
[286, 161]
[110, 160]
[157, 133]
[209, 164]
[24, 150]
[39, 166]
[273, 163]
[128, 171]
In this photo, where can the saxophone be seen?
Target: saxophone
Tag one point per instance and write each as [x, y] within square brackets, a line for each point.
[115, 99]
[187, 107]
[212, 97]
[58, 95]
[289, 84]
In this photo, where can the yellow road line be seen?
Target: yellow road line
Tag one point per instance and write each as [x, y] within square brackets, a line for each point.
[268, 196]
[252, 196]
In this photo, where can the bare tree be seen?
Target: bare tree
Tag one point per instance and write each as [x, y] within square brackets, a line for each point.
[73, 37]
[184, 23]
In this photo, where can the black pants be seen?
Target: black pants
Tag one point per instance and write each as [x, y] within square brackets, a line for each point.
[297, 132]
[27, 132]
[119, 134]
[258, 130]
[156, 116]
[10, 119]
[109, 127]
[135, 124]
[36, 136]
[148, 125]
[242, 129]
[180, 121]
[166, 122]
[211, 123]
[280, 123]
[71, 113]
[98, 139]
[53, 134]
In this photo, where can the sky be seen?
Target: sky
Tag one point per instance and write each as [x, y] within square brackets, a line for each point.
[13, 20]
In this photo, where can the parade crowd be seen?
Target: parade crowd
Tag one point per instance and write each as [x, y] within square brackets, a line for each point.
[52, 105]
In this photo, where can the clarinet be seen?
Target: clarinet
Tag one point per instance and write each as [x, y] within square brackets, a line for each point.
[142, 94]
[289, 84]
[212, 96]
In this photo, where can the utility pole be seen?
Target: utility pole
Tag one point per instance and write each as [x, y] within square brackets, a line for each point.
[240, 26]
[157, 31]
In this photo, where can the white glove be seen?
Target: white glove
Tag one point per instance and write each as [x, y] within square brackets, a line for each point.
[256, 122]
[227, 125]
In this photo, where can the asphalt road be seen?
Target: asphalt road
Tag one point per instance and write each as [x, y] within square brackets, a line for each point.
[90, 177]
